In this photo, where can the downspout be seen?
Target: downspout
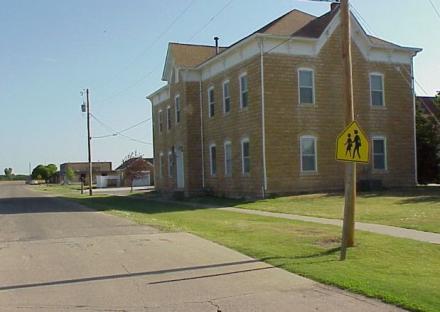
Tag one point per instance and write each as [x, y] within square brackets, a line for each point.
[201, 132]
[263, 121]
[414, 119]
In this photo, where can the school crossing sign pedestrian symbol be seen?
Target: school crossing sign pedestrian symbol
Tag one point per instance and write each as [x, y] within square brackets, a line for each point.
[352, 145]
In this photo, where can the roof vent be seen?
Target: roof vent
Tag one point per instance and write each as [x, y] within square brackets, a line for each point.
[217, 49]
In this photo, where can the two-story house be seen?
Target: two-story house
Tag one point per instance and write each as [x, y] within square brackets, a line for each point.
[262, 115]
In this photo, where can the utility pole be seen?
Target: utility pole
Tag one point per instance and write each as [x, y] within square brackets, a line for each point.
[89, 139]
[350, 168]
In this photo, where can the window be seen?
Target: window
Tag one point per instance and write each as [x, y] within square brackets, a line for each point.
[213, 159]
[177, 108]
[245, 157]
[306, 86]
[379, 153]
[226, 97]
[228, 159]
[211, 102]
[161, 165]
[168, 117]
[160, 121]
[308, 154]
[377, 90]
[170, 164]
[244, 92]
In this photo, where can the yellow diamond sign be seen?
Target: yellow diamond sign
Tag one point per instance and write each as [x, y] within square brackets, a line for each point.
[352, 145]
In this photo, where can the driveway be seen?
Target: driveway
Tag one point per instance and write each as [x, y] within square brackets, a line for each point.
[59, 256]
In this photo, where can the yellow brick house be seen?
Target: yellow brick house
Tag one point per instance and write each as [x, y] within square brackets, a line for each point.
[261, 116]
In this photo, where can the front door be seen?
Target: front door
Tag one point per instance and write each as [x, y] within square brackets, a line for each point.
[179, 165]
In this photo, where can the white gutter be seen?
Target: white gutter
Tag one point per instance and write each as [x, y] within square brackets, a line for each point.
[201, 133]
[414, 121]
[263, 121]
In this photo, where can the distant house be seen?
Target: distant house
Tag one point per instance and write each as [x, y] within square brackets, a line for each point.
[262, 115]
[137, 171]
[81, 171]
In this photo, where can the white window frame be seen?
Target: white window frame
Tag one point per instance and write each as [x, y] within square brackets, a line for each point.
[245, 140]
[385, 152]
[211, 163]
[299, 85]
[371, 89]
[315, 141]
[228, 143]
[160, 117]
[210, 113]
[242, 91]
[226, 82]
[170, 164]
[161, 165]
[168, 118]
[177, 111]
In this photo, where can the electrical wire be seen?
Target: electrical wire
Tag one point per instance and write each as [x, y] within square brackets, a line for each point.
[435, 8]
[119, 133]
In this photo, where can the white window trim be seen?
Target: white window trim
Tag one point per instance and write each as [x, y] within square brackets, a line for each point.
[315, 140]
[380, 137]
[161, 165]
[224, 98]
[168, 118]
[170, 155]
[241, 91]
[244, 140]
[160, 117]
[209, 101]
[371, 89]
[175, 108]
[210, 160]
[313, 86]
[227, 142]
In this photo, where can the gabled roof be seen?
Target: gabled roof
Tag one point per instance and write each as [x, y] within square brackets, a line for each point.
[287, 24]
[191, 55]
[316, 27]
[131, 161]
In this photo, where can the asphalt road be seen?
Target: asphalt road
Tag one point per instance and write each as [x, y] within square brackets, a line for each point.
[59, 256]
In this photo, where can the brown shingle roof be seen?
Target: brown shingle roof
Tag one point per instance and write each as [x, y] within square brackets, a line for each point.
[315, 28]
[191, 55]
[428, 105]
[287, 24]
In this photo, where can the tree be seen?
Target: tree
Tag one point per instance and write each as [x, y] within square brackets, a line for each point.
[8, 173]
[134, 169]
[428, 147]
[70, 174]
[52, 169]
[41, 172]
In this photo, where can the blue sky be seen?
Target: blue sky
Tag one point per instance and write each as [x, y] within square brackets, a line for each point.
[51, 50]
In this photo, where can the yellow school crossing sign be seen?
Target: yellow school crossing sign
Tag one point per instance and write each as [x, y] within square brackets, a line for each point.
[352, 145]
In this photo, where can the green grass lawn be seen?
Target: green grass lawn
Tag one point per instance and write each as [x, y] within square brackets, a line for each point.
[399, 271]
[416, 208]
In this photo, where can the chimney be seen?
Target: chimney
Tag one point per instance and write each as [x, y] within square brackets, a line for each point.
[217, 49]
[334, 5]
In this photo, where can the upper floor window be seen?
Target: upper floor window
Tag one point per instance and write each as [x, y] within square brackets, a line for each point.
[160, 121]
[226, 97]
[228, 159]
[170, 164]
[244, 91]
[168, 117]
[377, 90]
[308, 154]
[245, 157]
[306, 86]
[177, 108]
[211, 102]
[161, 165]
[213, 159]
[379, 153]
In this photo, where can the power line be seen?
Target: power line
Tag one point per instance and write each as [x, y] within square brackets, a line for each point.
[119, 133]
[156, 40]
[211, 20]
[435, 8]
